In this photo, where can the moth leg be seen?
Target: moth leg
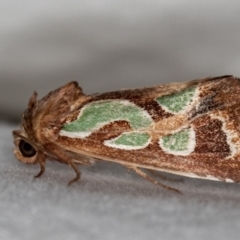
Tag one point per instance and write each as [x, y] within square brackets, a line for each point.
[41, 161]
[159, 175]
[152, 180]
[42, 169]
[66, 159]
[78, 173]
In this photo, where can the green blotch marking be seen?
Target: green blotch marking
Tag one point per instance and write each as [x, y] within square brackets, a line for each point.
[129, 141]
[178, 141]
[96, 114]
[132, 139]
[177, 101]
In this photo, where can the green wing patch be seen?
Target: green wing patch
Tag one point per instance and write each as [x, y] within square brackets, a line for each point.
[130, 141]
[97, 114]
[179, 143]
[176, 102]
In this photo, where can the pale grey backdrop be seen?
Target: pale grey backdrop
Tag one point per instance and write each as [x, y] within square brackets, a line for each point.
[108, 45]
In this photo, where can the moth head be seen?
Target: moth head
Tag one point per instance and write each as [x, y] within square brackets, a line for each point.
[47, 113]
[24, 150]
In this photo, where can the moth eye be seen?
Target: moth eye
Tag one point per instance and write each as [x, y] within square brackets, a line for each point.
[26, 149]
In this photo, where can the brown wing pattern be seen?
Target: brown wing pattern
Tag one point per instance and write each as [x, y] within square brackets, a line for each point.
[213, 115]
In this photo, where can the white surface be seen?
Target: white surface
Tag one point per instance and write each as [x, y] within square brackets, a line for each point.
[109, 203]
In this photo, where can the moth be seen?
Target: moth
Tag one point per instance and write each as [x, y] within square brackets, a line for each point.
[190, 129]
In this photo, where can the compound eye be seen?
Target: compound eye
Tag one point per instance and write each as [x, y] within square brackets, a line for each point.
[26, 149]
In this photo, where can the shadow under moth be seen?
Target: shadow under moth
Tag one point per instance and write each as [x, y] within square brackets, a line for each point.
[190, 129]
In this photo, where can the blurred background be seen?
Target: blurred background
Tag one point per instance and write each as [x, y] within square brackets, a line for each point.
[108, 45]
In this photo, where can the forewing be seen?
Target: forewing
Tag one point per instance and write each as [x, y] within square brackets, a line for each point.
[188, 128]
